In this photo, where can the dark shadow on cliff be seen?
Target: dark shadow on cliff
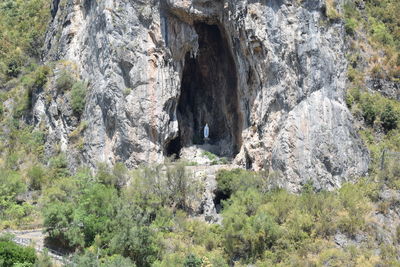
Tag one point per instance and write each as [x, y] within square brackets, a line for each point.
[209, 95]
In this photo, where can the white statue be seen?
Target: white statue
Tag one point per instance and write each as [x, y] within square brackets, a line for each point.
[206, 131]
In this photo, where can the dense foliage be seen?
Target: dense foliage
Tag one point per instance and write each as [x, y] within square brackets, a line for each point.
[146, 224]
[374, 27]
[22, 24]
[144, 217]
[12, 255]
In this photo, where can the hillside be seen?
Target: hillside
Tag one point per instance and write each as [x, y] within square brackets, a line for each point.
[102, 116]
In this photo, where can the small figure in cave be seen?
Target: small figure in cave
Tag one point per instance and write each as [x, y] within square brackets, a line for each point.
[206, 133]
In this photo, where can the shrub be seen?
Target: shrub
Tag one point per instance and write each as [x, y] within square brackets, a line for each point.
[369, 110]
[389, 118]
[380, 33]
[12, 254]
[23, 103]
[350, 25]
[117, 176]
[210, 155]
[249, 230]
[192, 261]
[349, 100]
[355, 205]
[41, 76]
[11, 185]
[172, 187]
[91, 259]
[78, 94]
[36, 176]
[330, 10]
[65, 81]
[181, 188]
[58, 166]
[15, 62]
[231, 181]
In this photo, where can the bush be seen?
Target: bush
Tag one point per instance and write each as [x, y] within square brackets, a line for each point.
[350, 26]
[349, 100]
[41, 76]
[389, 118]
[78, 95]
[11, 254]
[192, 261]
[355, 206]
[330, 10]
[231, 181]
[171, 187]
[36, 176]
[58, 166]
[1, 111]
[117, 176]
[65, 81]
[90, 259]
[369, 110]
[249, 230]
[15, 61]
[380, 33]
[11, 185]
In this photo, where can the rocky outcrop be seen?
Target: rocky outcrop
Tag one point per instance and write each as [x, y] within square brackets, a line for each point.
[386, 87]
[267, 76]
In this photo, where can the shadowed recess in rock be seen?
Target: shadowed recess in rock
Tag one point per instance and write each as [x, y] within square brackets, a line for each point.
[209, 95]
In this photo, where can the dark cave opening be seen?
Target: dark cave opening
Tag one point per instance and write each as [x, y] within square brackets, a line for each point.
[173, 147]
[209, 94]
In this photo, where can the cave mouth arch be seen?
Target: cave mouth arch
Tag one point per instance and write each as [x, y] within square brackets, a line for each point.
[209, 94]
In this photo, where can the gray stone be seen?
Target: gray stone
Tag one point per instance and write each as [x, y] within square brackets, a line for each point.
[267, 76]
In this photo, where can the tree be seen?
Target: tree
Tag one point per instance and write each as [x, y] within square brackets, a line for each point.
[131, 235]
[369, 110]
[389, 118]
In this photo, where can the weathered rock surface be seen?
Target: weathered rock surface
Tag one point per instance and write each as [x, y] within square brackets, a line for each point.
[206, 209]
[267, 76]
[386, 87]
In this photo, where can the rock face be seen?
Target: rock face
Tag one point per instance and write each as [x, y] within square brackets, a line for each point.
[267, 76]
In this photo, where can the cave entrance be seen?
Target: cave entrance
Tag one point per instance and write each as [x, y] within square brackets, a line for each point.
[209, 94]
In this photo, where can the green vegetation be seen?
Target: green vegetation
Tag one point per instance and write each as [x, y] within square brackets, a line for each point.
[230, 182]
[376, 110]
[85, 212]
[215, 160]
[22, 27]
[147, 222]
[382, 122]
[144, 217]
[380, 23]
[13, 255]
[330, 10]
[64, 81]
[78, 94]
[386, 21]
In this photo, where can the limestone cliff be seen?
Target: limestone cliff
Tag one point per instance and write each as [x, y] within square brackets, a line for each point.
[268, 76]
